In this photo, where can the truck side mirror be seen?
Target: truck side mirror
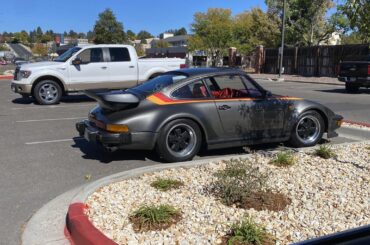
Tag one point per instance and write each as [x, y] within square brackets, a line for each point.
[77, 61]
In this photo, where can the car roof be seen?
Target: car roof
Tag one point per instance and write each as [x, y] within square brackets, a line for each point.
[210, 70]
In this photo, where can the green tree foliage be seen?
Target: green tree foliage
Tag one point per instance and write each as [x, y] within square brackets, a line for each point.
[131, 35]
[21, 37]
[40, 49]
[305, 20]
[161, 44]
[107, 29]
[212, 32]
[358, 15]
[178, 32]
[253, 28]
[143, 35]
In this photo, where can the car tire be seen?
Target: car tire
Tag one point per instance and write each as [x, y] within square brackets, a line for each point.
[179, 140]
[352, 88]
[47, 92]
[308, 130]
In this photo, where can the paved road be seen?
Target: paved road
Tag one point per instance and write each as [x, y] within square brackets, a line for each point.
[20, 50]
[41, 157]
[354, 107]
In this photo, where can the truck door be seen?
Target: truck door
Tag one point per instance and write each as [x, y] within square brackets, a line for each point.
[91, 73]
[123, 70]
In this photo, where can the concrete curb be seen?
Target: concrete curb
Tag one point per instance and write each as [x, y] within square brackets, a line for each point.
[81, 229]
[6, 77]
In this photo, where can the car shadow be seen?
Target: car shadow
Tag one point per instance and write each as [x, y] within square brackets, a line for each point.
[96, 152]
[78, 98]
[343, 91]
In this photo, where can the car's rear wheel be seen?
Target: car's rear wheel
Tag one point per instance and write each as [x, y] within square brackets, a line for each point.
[179, 140]
[47, 92]
[308, 130]
[352, 88]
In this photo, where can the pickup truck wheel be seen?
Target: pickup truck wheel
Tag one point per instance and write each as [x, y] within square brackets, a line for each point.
[179, 140]
[352, 88]
[308, 130]
[47, 92]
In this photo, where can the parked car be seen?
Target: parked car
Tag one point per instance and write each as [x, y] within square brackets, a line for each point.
[90, 67]
[355, 74]
[179, 111]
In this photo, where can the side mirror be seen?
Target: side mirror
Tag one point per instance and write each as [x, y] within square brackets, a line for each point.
[77, 61]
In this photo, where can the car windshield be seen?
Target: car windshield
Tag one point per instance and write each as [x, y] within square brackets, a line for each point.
[68, 54]
[158, 83]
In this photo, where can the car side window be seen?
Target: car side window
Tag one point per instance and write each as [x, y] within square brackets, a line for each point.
[227, 87]
[253, 91]
[92, 55]
[194, 90]
[119, 55]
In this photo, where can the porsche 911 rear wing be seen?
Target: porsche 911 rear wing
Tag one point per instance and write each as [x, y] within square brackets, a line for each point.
[114, 101]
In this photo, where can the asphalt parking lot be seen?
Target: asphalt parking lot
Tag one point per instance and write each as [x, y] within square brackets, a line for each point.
[42, 155]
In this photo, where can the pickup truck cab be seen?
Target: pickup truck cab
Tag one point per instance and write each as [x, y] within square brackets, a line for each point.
[105, 66]
[355, 74]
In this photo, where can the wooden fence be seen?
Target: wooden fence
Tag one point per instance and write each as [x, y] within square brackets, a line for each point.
[315, 60]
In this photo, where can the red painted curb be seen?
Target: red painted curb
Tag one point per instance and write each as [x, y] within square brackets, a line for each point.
[357, 123]
[80, 231]
[6, 77]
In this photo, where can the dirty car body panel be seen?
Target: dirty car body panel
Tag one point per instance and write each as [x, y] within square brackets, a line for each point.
[241, 117]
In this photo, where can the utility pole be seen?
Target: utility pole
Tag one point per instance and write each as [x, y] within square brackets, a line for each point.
[282, 40]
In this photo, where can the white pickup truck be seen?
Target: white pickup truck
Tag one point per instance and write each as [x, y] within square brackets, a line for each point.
[105, 66]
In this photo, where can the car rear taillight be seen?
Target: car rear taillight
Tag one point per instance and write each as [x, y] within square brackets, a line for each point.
[182, 66]
[368, 70]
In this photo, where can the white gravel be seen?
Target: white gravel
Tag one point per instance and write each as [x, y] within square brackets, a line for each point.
[327, 196]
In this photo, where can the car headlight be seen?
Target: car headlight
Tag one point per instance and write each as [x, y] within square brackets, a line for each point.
[25, 74]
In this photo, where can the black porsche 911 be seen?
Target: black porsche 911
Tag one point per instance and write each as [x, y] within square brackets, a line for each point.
[179, 111]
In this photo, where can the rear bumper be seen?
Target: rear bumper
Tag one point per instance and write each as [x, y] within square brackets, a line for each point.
[334, 124]
[132, 140]
[21, 88]
[364, 81]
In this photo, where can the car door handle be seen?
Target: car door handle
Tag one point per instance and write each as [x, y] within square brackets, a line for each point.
[104, 67]
[224, 107]
[131, 67]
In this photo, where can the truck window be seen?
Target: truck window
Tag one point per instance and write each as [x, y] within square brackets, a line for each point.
[119, 54]
[92, 55]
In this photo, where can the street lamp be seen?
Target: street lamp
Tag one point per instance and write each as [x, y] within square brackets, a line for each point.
[282, 41]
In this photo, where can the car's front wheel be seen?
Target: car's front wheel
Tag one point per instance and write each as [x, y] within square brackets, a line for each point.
[179, 140]
[47, 92]
[308, 130]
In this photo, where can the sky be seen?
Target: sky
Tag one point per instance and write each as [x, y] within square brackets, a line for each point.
[80, 15]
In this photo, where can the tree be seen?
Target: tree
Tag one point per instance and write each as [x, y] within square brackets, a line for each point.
[90, 35]
[139, 50]
[305, 19]
[72, 34]
[178, 32]
[107, 29]
[143, 41]
[357, 13]
[143, 35]
[212, 32]
[161, 44]
[131, 35]
[40, 49]
[21, 37]
[252, 28]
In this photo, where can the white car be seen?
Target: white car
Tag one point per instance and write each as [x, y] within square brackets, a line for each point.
[105, 66]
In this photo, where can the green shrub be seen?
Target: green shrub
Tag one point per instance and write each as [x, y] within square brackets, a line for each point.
[154, 217]
[166, 184]
[283, 158]
[248, 232]
[237, 181]
[324, 152]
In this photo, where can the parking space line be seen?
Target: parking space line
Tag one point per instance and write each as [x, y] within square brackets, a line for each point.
[50, 107]
[51, 119]
[52, 141]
